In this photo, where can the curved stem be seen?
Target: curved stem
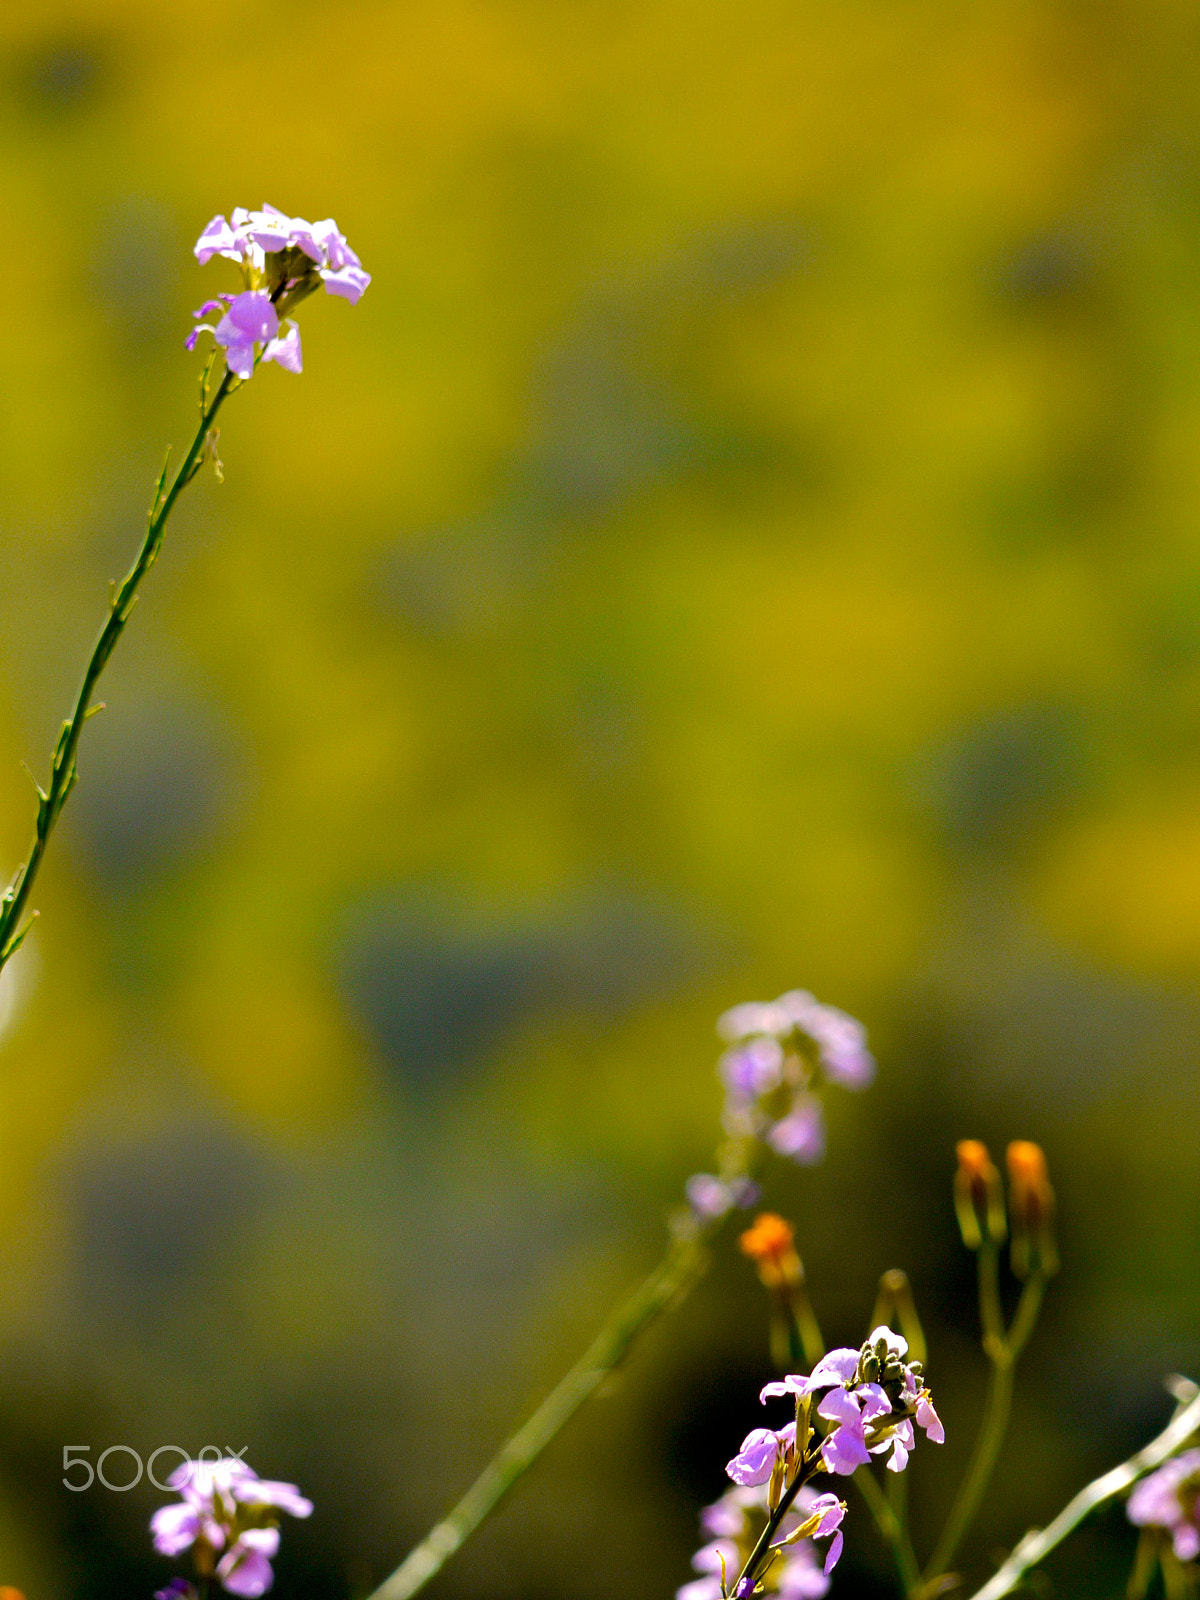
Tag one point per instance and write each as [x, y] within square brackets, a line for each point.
[1036, 1546]
[63, 771]
[681, 1267]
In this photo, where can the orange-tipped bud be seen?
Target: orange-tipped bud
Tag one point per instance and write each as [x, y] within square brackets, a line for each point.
[6, 1593]
[1031, 1204]
[769, 1245]
[978, 1195]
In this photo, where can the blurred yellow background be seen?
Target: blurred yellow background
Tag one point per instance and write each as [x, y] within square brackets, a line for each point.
[748, 536]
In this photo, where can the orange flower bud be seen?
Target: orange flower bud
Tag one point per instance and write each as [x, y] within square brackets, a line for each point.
[769, 1245]
[978, 1196]
[1031, 1204]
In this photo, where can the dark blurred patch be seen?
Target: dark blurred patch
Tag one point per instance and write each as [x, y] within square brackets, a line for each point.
[621, 408]
[61, 74]
[1003, 778]
[132, 263]
[1049, 268]
[152, 1215]
[162, 779]
[439, 996]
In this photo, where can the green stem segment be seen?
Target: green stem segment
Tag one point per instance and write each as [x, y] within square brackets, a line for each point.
[680, 1269]
[14, 924]
[1002, 1350]
[889, 1521]
[1037, 1545]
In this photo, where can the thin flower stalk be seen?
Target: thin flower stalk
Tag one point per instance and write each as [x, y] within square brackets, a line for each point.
[14, 921]
[681, 1268]
[1037, 1544]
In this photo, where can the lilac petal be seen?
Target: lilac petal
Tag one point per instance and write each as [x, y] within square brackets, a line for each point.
[742, 1022]
[267, 1492]
[245, 1568]
[872, 1401]
[928, 1419]
[840, 1407]
[723, 1520]
[350, 282]
[843, 1451]
[174, 1529]
[239, 358]
[792, 1384]
[1186, 1541]
[898, 1459]
[218, 238]
[755, 1461]
[896, 1343]
[707, 1196]
[209, 305]
[190, 342]
[835, 1552]
[753, 1068]
[831, 1511]
[332, 243]
[252, 315]
[799, 1578]
[837, 1366]
[700, 1589]
[801, 1134]
[286, 351]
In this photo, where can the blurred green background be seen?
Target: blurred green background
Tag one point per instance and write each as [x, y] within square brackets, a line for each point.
[747, 537]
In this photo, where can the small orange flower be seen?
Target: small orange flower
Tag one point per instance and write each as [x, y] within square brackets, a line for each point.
[769, 1243]
[978, 1196]
[1031, 1204]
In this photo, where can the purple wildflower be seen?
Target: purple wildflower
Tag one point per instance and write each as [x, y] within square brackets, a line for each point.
[732, 1527]
[226, 1507]
[872, 1396]
[1170, 1499]
[283, 260]
[761, 1449]
[713, 1197]
[779, 1053]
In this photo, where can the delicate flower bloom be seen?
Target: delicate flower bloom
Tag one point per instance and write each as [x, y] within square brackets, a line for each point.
[1170, 1499]
[801, 1134]
[283, 260]
[978, 1196]
[873, 1396]
[226, 1509]
[769, 1245]
[712, 1197]
[761, 1448]
[781, 1051]
[733, 1525]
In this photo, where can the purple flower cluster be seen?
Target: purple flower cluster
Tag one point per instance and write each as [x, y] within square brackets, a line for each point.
[780, 1052]
[732, 1527]
[872, 1396]
[283, 260]
[226, 1516]
[1170, 1499]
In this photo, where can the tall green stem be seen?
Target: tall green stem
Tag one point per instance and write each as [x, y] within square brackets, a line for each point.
[1002, 1351]
[63, 772]
[681, 1267]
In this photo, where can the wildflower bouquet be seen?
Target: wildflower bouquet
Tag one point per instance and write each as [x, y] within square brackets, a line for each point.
[837, 1414]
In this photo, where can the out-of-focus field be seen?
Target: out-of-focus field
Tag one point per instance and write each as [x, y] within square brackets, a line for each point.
[748, 536]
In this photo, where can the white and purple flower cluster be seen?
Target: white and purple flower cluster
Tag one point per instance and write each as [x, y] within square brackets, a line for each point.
[1170, 1499]
[871, 1396]
[283, 260]
[779, 1053]
[733, 1525]
[227, 1519]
